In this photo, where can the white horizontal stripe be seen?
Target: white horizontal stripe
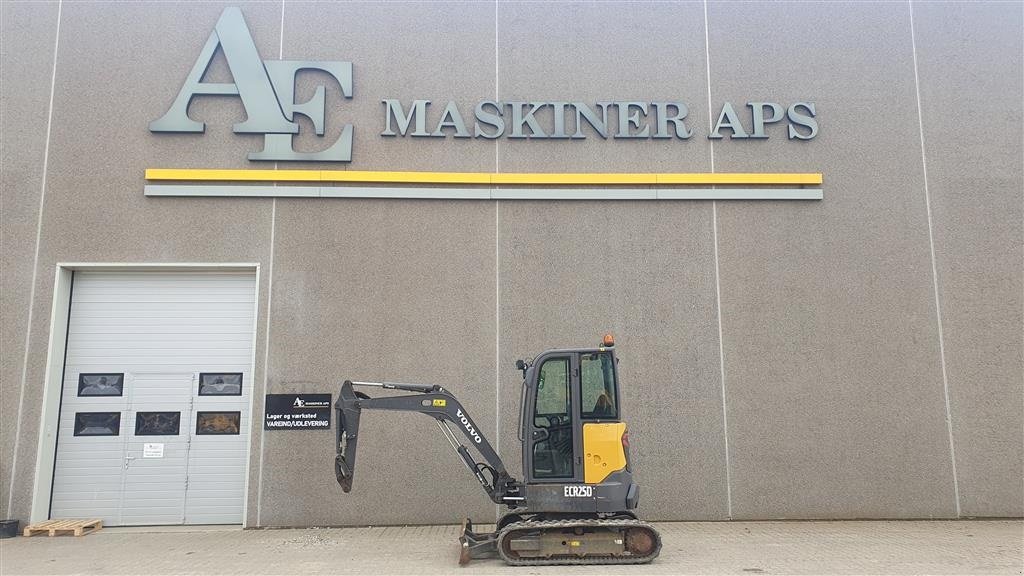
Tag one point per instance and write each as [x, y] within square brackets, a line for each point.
[387, 192]
[741, 194]
[574, 194]
[537, 193]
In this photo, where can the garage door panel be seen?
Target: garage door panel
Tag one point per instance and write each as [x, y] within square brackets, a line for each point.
[214, 513]
[153, 386]
[216, 476]
[168, 366]
[143, 283]
[229, 315]
[154, 490]
[91, 494]
[91, 402]
[161, 330]
[175, 324]
[99, 481]
[184, 337]
[173, 350]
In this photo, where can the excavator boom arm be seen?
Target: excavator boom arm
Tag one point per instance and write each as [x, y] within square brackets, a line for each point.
[436, 402]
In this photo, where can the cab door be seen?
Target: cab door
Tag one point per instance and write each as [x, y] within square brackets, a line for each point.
[603, 433]
[553, 447]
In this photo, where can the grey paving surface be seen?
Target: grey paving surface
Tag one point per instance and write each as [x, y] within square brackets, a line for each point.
[899, 547]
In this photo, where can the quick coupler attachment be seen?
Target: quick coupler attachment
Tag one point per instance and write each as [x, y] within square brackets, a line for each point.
[343, 473]
[476, 544]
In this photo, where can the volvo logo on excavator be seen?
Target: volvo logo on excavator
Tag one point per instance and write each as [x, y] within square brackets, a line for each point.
[468, 426]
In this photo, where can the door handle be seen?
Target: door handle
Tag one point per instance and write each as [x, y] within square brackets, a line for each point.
[128, 458]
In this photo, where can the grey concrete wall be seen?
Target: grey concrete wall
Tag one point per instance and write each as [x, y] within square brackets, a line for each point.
[821, 316]
[27, 36]
[971, 108]
[380, 290]
[569, 272]
[833, 376]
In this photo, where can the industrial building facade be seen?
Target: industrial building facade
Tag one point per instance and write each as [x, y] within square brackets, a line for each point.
[802, 222]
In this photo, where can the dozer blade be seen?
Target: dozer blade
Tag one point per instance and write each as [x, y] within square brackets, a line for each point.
[464, 555]
[475, 544]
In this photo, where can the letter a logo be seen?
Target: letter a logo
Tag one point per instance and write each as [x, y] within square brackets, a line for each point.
[267, 91]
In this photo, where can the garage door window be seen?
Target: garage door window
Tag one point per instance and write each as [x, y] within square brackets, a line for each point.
[218, 423]
[157, 423]
[100, 384]
[220, 384]
[97, 423]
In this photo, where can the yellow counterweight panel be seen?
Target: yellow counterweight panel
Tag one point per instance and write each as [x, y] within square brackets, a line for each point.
[602, 445]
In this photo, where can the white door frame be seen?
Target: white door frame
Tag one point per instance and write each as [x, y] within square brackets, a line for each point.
[56, 349]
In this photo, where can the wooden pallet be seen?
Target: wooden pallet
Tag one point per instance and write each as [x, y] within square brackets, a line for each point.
[78, 527]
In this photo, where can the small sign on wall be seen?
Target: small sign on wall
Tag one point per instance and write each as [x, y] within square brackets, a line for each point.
[297, 412]
[152, 450]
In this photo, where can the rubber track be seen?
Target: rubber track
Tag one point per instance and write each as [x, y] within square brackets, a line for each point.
[572, 560]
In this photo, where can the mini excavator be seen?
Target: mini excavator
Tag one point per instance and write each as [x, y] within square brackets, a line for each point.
[576, 503]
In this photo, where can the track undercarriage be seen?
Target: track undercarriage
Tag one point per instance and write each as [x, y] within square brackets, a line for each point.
[539, 541]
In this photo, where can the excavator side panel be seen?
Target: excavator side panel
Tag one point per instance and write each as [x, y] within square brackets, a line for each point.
[616, 493]
[603, 452]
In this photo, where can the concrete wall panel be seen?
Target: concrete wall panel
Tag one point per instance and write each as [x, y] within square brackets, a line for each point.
[383, 291]
[27, 34]
[598, 52]
[408, 293]
[971, 107]
[95, 207]
[571, 271]
[832, 373]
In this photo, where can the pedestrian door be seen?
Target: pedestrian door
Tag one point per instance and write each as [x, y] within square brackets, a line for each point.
[156, 449]
[155, 402]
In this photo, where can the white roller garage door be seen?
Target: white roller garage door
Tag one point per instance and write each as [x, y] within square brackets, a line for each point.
[155, 418]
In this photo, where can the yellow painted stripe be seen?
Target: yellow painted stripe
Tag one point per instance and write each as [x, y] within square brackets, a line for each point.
[406, 177]
[233, 175]
[527, 178]
[741, 178]
[570, 179]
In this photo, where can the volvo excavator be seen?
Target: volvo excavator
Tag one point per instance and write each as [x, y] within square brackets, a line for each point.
[575, 505]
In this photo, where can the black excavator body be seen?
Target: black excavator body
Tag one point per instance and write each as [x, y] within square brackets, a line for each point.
[575, 505]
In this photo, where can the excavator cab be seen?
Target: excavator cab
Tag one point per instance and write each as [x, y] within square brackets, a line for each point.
[570, 413]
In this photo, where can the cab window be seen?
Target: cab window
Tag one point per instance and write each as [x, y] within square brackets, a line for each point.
[552, 405]
[597, 387]
[553, 450]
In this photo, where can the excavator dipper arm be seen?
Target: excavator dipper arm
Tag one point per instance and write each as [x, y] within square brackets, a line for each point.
[436, 402]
